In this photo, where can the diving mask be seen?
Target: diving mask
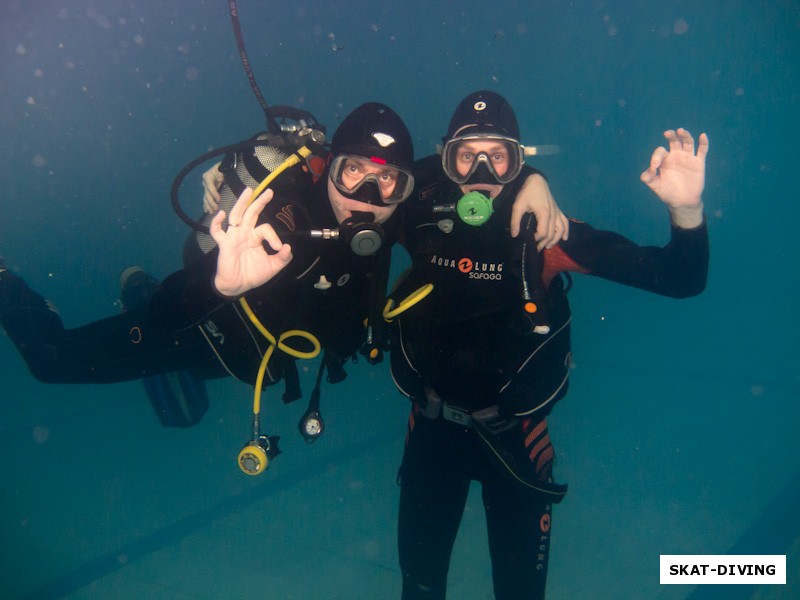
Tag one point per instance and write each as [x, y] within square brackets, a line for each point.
[480, 156]
[371, 180]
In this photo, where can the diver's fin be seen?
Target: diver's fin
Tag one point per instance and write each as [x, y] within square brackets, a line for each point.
[179, 399]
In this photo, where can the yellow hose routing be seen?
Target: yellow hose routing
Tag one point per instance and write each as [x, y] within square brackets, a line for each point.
[389, 313]
[280, 345]
[254, 457]
[291, 161]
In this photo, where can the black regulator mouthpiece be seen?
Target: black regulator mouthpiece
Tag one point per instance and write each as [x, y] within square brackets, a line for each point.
[360, 231]
[363, 234]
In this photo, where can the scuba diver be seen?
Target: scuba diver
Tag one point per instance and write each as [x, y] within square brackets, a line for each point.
[193, 325]
[229, 311]
[486, 355]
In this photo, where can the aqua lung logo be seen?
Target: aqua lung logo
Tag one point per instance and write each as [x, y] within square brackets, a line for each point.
[544, 541]
[471, 268]
[471, 216]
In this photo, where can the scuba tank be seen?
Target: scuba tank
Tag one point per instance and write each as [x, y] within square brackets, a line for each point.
[293, 143]
[248, 163]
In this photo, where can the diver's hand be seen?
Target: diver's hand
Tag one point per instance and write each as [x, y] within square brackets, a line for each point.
[535, 197]
[243, 262]
[677, 176]
[212, 181]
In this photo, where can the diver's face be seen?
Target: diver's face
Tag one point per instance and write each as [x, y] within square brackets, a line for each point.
[344, 207]
[356, 169]
[471, 150]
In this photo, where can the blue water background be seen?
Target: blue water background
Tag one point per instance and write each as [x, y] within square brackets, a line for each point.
[681, 426]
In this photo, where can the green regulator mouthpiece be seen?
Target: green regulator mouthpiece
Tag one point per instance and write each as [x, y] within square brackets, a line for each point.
[474, 208]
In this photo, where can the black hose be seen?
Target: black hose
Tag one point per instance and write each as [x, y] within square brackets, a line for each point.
[176, 184]
[272, 125]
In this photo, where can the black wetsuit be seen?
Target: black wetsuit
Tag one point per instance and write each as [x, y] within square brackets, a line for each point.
[187, 326]
[471, 343]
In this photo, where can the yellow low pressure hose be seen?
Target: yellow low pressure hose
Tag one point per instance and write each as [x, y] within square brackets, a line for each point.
[389, 313]
[280, 345]
[413, 298]
[253, 459]
[291, 161]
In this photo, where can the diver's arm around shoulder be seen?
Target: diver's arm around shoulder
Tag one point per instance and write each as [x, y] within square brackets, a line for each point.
[534, 196]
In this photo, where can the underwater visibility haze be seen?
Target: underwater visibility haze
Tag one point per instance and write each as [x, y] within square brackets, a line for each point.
[679, 434]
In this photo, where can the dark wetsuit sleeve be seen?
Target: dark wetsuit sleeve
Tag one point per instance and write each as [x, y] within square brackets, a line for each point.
[678, 270]
[119, 348]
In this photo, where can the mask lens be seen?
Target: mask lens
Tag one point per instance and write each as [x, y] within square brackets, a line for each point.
[387, 184]
[502, 157]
